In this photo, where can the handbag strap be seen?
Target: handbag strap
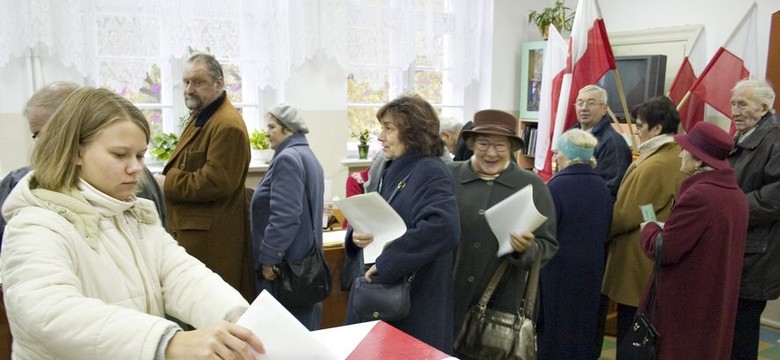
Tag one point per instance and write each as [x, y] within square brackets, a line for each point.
[488, 293]
[659, 244]
[532, 285]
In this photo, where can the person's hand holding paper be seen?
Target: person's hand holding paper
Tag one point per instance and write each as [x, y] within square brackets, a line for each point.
[371, 214]
[515, 214]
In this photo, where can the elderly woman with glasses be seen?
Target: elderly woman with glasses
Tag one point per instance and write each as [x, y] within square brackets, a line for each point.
[488, 177]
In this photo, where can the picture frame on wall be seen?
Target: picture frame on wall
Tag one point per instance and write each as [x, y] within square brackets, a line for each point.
[531, 62]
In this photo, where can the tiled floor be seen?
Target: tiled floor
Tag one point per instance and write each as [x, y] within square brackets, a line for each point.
[768, 346]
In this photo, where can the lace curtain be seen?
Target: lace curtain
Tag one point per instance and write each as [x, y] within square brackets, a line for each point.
[266, 37]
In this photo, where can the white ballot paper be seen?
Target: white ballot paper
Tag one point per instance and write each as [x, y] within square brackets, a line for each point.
[516, 213]
[283, 336]
[370, 213]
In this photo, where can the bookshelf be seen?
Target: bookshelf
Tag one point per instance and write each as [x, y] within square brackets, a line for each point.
[527, 131]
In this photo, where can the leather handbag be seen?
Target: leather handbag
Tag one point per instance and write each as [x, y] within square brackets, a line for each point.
[642, 339]
[376, 301]
[305, 282]
[491, 334]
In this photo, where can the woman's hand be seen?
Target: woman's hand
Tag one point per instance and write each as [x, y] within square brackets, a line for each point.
[521, 241]
[222, 340]
[269, 273]
[372, 271]
[362, 240]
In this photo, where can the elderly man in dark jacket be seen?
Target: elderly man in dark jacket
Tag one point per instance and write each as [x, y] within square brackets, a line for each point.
[756, 162]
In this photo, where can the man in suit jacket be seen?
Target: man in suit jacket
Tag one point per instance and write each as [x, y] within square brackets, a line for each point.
[204, 178]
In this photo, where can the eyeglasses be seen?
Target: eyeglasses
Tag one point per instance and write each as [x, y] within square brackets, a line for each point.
[590, 103]
[484, 145]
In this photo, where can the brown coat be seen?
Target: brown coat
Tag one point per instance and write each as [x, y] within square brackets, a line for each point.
[652, 179]
[205, 193]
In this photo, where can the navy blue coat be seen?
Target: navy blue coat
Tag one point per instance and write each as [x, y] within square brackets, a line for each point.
[571, 281]
[613, 156]
[281, 214]
[428, 207]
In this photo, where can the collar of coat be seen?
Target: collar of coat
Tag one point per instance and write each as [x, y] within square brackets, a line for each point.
[84, 207]
[762, 128]
[205, 115]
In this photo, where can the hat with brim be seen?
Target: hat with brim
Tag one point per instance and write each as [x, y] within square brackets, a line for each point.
[708, 143]
[495, 122]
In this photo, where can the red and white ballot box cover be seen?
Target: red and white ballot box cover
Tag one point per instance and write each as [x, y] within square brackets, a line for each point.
[286, 338]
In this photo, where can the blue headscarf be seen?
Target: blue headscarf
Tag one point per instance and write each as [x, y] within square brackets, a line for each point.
[573, 152]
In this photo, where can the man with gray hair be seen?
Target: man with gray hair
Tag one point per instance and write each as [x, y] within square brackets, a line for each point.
[203, 181]
[756, 162]
[450, 129]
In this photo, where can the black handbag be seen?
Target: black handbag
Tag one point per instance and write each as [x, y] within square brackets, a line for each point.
[642, 339]
[305, 282]
[491, 334]
[376, 301]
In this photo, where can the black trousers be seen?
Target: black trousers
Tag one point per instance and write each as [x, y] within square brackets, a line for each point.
[746, 329]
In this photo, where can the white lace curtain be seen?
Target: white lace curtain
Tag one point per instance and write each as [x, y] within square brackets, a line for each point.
[270, 37]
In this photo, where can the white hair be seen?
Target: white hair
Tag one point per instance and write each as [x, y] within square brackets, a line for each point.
[448, 123]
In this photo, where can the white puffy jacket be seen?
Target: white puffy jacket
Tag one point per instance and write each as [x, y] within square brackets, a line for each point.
[86, 276]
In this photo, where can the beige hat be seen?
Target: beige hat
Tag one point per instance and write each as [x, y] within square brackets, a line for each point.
[290, 117]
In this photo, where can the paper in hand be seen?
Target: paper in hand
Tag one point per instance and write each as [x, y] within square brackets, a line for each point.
[648, 214]
[370, 213]
[517, 213]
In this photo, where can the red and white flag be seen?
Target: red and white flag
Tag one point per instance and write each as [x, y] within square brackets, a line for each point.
[736, 60]
[553, 66]
[692, 111]
[590, 57]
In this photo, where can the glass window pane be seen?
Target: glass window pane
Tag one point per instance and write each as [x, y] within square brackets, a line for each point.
[359, 118]
[368, 87]
[233, 82]
[429, 84]
[155, 118]
[136, 81]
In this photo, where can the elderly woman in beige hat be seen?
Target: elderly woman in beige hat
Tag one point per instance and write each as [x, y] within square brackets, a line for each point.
[488, 177]
[286, 210]
[702, 253]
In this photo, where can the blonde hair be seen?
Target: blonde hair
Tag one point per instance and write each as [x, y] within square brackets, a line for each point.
[576, 141]
[50, 97]
[82, 115]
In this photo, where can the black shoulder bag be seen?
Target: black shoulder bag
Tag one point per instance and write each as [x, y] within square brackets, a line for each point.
[307, 281]
[641, 341]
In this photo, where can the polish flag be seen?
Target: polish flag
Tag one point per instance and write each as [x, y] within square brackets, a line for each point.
[736, 60]
[591, 57]
[692, 110]
[553, 66]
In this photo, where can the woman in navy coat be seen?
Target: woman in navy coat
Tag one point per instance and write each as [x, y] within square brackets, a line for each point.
[571, 281]
[287, 206]
[426, 203]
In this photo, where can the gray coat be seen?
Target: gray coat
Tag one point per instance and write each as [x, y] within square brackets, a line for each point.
[756, 163]
[476, 260]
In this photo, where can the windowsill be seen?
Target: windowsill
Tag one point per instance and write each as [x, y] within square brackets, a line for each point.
[254, 167]
[354, 162]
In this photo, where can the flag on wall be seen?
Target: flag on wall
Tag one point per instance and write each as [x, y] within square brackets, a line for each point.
[736, 60]
[591, 57]
[553, 66]
[692, 110]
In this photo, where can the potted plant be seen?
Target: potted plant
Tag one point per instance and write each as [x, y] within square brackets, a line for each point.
[163, 145]
[556, 15]
[363, 136]
[261, 146]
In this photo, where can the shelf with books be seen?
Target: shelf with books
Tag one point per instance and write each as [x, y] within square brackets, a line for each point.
[528, 130]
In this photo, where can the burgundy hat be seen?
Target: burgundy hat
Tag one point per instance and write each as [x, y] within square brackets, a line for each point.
[708, 143]
[495, 122]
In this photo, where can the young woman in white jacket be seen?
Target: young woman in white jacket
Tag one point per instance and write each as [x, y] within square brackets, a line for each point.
[88, 271]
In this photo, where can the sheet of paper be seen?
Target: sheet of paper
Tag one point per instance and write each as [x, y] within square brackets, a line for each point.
[342, 340]
[516, 213]
[370, 213]
[283, 336]
[648, 213]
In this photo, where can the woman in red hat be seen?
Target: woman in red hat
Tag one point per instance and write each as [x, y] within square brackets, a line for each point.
[701, 257]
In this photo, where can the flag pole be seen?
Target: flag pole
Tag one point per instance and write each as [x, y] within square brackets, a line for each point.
[625, 108]
[684, 100]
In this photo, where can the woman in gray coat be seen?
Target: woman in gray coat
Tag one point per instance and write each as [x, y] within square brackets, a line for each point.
[481, 182]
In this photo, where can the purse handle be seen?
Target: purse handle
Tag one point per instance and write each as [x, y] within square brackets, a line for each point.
[659, 244]
[532, 284]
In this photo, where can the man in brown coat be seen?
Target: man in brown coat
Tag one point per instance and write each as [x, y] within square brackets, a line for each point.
[204, 178]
